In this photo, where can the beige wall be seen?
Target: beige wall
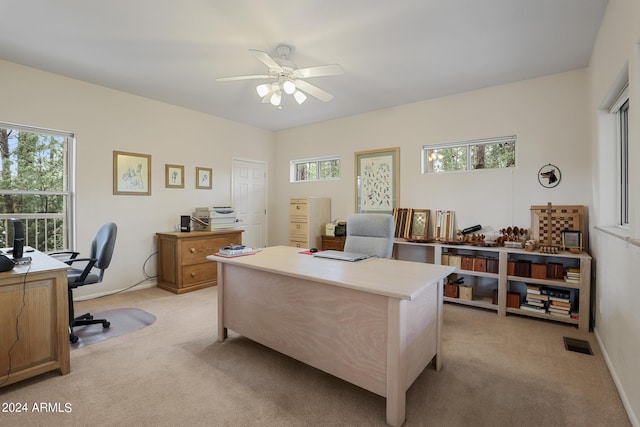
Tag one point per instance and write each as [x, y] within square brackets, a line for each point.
[617, 252]
[548, 115]
[105, 120]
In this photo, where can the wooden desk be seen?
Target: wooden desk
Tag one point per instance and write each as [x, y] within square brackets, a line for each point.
[36, 295]
[375, 323]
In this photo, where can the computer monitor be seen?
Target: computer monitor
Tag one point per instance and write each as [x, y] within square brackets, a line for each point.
[18, 238]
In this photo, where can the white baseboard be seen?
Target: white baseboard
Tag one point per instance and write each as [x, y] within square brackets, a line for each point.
[625, 401]
[150, 283]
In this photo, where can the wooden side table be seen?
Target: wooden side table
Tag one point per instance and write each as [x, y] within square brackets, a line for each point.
[334, 243]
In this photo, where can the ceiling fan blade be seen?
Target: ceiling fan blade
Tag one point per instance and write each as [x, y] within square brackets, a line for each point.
[266, 59]
[313, 90]
[319, 71]
[251, 77]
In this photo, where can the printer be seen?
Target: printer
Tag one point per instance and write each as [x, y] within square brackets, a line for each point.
[214, 218]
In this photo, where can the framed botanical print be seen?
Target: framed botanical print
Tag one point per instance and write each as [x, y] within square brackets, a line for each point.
[173, 176]
[377, 180]
[131, 174]
[204, 178]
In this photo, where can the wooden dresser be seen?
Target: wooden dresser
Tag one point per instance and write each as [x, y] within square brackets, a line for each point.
[308, 218]
[335, 243]
[182, 258]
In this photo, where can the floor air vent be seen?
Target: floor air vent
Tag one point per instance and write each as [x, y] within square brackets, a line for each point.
[579, 346]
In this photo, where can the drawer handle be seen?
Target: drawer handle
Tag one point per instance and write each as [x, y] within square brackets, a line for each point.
[192, 250]
[298, 207]
[193, 274]
[298, 226]
[298, 245]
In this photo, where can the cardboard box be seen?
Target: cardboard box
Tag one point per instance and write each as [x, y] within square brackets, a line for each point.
[492, 265]
[466, 292]
[523, 268]
[467, 263]
[455, 261]
[513, 299]
[480, 264]
[451, 290]
[445, 259]
[538, 270]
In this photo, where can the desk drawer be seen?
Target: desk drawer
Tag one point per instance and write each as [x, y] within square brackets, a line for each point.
[199, 273]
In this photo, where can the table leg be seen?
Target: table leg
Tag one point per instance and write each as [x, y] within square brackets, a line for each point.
[396, 362]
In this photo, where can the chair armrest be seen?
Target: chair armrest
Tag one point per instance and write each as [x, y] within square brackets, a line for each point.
[64, 254]
[90, 262]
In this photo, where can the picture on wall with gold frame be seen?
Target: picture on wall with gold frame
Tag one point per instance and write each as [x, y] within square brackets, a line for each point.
[131, 174]
[173, 176]
[377, 180]
[204, 178]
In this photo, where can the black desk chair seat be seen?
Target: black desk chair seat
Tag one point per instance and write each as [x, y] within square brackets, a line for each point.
[91, 273]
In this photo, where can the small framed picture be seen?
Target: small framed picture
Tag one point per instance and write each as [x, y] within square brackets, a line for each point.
[204, 178]
[173, 176]
[419, 224]
[572, 240]
[131, 174]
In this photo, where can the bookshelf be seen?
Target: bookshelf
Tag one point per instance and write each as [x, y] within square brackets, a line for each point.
[491, 287]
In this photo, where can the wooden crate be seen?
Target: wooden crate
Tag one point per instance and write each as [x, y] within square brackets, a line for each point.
[513, 299]
[451, 290]
[467, 263]
[480, 264]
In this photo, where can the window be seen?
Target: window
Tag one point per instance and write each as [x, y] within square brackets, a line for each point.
[36, 185]
[489, 153]
[317, 169]
[620, 108]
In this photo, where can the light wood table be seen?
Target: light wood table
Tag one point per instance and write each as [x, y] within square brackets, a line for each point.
[34, 296]
[375, 323]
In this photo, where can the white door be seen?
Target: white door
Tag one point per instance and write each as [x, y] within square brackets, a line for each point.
[249, 200]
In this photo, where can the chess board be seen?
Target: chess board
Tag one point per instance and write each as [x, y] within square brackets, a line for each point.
[548, 222]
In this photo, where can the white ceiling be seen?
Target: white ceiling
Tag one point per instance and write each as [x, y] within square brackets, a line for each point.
[392, 52]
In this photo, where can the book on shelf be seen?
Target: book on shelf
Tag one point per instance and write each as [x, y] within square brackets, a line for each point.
[565, 300]
[530, 307]
[571, 280]
[556, 303]
[532, 289]
[553, 292]
[560, 314]
[536, 303]
[559, 309]
[537, 297]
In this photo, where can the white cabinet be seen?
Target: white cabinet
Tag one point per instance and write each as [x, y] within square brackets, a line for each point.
[308, 218]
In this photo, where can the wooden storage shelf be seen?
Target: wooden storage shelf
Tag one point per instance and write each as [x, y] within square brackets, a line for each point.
[581, 261]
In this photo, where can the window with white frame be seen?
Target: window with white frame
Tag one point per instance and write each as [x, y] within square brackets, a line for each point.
[487, 153]
[620, 108]
[315, 169]
[36, 185]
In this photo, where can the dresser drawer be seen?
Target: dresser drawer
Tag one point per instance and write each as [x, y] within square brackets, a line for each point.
[199, 273]
[298, 228]
[299, 243]
[298, 209]
[196, 251]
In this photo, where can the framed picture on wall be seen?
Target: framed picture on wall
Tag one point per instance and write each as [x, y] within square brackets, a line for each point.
[131, 174]
[377, 180]
[204, 178]
[173, 176]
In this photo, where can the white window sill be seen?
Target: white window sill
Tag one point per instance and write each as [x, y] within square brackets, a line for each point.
[621, 233]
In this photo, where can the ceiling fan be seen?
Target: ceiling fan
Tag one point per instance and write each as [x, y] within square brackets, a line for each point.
[288, 79]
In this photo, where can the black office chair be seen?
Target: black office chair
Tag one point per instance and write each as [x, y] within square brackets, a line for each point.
[99, 259]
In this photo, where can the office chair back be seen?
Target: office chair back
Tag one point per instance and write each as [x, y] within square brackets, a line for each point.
[101, 252]
[370, 234]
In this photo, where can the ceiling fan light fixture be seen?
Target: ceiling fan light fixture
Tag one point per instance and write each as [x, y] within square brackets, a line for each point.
[276, 98]
[299, 96]
[263, 89]
[289, 87]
